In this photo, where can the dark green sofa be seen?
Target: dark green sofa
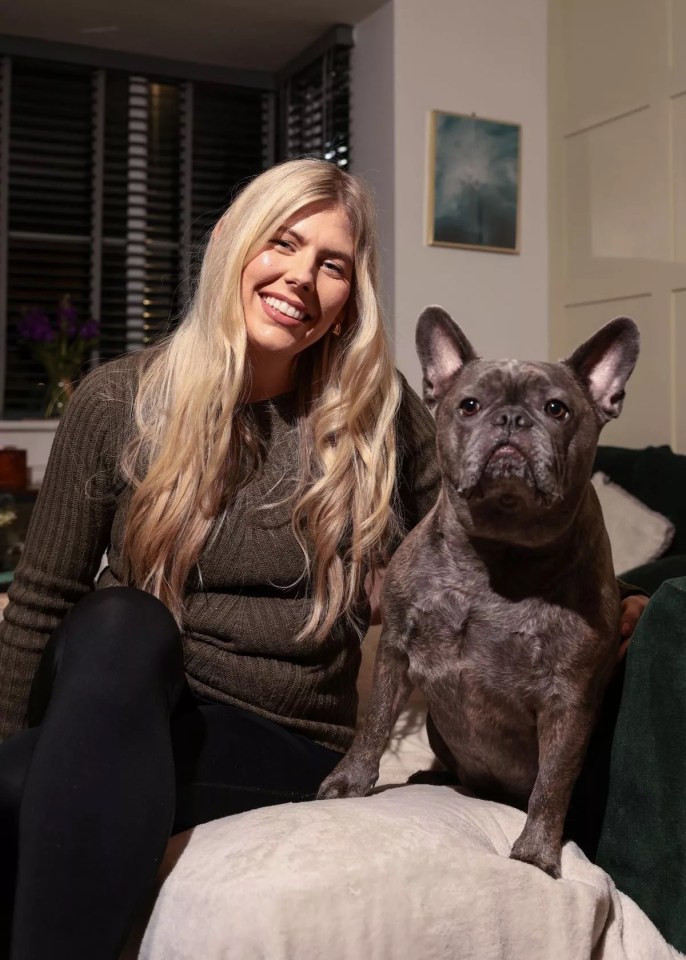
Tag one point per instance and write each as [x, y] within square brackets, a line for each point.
[657, 477]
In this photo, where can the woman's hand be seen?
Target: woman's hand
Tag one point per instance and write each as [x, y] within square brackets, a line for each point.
[631, 610]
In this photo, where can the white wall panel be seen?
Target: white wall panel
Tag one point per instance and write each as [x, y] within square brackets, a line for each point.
[677, 31]
[617, 122]
[648, 391]
[612, 51]
[618, 192]
[678, 108]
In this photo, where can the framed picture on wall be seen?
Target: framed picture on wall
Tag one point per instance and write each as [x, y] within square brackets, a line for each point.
[474, 171]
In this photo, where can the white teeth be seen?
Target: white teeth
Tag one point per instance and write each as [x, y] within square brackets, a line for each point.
[285, 308]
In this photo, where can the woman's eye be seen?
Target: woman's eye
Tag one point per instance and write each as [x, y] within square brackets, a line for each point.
[282, 244]
[333, 266]
[557, 409]
[469, 406]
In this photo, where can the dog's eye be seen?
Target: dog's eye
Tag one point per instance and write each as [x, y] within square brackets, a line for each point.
[469, 406]
[557, 410]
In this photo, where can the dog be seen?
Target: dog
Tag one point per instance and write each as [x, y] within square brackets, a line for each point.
[502, 605]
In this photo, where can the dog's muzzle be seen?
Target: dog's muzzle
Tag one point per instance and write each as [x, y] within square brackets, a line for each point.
[507, 463]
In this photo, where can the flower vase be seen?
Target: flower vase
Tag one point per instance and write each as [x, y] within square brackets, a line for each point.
[59, 390]
[61, 346]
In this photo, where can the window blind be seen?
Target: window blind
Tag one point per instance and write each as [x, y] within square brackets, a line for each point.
[48, 200]
[317, 108]
[142, 198]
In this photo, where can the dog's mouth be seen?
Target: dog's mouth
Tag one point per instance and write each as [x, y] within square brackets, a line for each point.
[505, 450]
[508, 462]
[509, 470]
[507, 474]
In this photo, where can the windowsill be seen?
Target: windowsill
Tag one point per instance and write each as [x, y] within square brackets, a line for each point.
[28, 426]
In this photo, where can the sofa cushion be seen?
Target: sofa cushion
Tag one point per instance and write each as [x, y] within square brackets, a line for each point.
[416, 872]
[657, 476]
[637, 534]
[643, 843]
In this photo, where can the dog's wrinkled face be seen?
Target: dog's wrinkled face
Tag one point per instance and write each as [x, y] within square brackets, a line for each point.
[506, 431]
[516, 440]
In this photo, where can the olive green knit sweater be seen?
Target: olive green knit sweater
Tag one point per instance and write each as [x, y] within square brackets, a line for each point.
[243, 611]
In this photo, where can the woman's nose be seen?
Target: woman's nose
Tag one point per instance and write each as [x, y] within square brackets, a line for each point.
[301, 271]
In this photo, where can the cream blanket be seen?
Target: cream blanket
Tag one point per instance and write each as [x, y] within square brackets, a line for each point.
[413, 873]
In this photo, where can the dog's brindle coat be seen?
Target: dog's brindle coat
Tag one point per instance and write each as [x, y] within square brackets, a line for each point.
[502, 605]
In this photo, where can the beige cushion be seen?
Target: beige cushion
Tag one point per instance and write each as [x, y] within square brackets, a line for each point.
[415, 873]
[637, 533]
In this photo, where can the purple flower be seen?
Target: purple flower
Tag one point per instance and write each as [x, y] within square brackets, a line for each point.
[61, 345]
[89, 330]
[67, 318]
[35, 325]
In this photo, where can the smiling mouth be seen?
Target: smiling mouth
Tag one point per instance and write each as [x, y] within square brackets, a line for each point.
[282, 311]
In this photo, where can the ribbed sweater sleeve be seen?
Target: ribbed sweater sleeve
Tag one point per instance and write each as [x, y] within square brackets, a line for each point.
[68, 534]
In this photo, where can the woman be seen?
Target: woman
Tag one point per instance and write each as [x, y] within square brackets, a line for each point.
[247, 474]
[246, 477]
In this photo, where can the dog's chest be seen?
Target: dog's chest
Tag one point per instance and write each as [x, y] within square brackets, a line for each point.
[486, 670]
[473, 650]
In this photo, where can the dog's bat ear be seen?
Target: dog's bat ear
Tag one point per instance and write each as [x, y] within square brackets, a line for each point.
[605, 362]
[443, 351]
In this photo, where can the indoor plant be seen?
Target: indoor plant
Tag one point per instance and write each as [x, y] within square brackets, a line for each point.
[61, 344]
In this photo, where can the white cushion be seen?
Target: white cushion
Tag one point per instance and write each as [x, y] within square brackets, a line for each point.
[637, 533]
[414, 873]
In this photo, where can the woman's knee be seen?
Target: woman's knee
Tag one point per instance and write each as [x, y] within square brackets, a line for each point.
[120, 631]
[123, 605]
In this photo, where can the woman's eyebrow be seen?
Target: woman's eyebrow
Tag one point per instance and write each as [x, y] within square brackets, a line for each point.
[333, 254]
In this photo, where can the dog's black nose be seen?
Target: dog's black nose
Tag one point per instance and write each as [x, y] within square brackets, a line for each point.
[514, 418]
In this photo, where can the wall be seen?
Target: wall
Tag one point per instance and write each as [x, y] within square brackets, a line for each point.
[618, 195]
[372, 122]
[458, 56]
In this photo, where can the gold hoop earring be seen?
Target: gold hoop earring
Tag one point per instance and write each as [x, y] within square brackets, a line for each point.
[336, 330]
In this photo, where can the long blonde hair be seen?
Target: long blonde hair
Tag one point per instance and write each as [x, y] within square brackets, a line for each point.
[187, 432]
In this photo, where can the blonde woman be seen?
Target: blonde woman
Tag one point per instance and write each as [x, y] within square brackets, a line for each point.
[245, 477]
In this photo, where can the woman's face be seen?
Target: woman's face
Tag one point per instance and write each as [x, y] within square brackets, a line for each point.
[296, 288]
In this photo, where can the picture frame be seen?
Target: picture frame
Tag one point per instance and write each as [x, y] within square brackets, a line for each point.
[474, 183]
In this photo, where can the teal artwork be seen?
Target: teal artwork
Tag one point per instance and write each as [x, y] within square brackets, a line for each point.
[474, 183]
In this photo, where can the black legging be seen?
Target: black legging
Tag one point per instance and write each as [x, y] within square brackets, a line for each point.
[125, 755]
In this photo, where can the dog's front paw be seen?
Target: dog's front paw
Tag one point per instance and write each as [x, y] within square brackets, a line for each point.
[349, 779]
[541, 854]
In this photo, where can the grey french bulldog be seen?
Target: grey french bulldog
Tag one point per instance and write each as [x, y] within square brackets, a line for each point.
[502, 605]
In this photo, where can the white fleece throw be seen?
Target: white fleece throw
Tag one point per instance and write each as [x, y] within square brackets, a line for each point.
[413, 873]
